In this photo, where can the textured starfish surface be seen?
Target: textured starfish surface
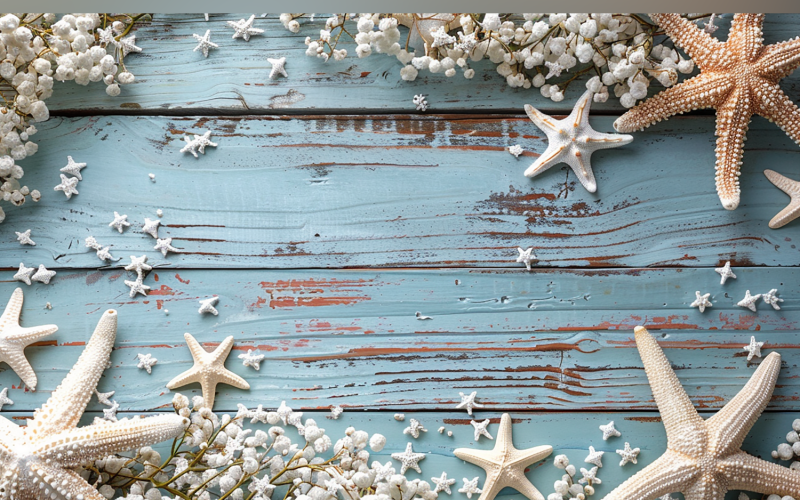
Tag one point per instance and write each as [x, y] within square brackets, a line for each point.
[704, 458]
[204, 43]
[725, 272]
[790, 187]
[208, 370]
[278, 67]
[73, 168]
[14, 339]
[244, 29]
[38, 461]
[505, 465]
[572, 141]
[739, 78]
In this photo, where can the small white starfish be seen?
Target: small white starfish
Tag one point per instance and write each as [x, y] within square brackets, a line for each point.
[110, 414]
[129, 45]
[480, 429]
[790, 187]
[595, 457]
[4, 399]
[204, 43]
[25, 238]
[336, 411]
[138, 264]
[609, 431]
[772, 299]
[753, 349]
[384, 471]
[198, 144]
[137, 286]
[165, 246]
[252, 358]
[284, 412]
[120, 222]
[590, 476]
[67, 185]
[414, 428]
[526, 257]
[43, 275]
[146, 362]
[103, 253]
[725, 272]
[243, 29]
[151, 227]
[701, 302]
[572, 141]
[73, 168]
[470, 487]
[749, 301]
[408, 459]
[207, 306]
[628, 454]
[103, 397]
[442, 483]
[24, 274]
[278, 67]
[468, 402]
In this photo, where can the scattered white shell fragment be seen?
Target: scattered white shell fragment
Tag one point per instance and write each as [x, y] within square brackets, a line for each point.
[48, 306]
[25, 238]
[420, 316]
[152, 177]
[336, 411]
[449, 433]
[441, 430]
[414, 428]
[160, 213]
[399, 417]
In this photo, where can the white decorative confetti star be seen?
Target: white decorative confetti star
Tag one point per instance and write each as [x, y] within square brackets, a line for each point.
[110, 414]
[526, 257]
[137, 286]
[15, 338]
[165, 246]
[43, 275]
[138, 264]
[749, 301]
[515, 150]
[207, 306]
[146, 362]
[595, 457]
[25, 238]
[151, 227]
[198, 144]
[73, 168]
[753, 349]
[443, 483]
[252, 358]
[590, 476]
[414, 428]
[336, 411]
[408, 459]
[628, 454]
[120, 222]
[609, 431]
[725, 272]
[129, 45]
[67, 185]
[244, 29]
[103, 397]
[470, 487]
[24, 274]
[468, 402]
[278, 67]
[772, 299]
[572, 141]
[480, 429]
[204, 43]
[701, 302]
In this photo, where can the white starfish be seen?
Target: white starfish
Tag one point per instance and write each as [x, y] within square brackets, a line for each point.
[24, 274]
[73, 168]
[165, 246]
[120, 222]
[443, 483]
[198, 144]
[470, 487]
[408, 459]
[505, 465]
[572, 141]
[207, 306]
[40, 459]
[753, 349]
[138, 264]
[468, 402]
[103, 253]
[151, 227]
[590, 476]
[725, 272]
[243, 29]
[15, 338]
[208, 370]
[701, 302]
[110, 414]
[146, 362]
[204, 43]
[526, 257]
[749, 301]
[480, 429]
[628, 454]
[772, 299]
[704, 458]
[790, 187]
[103, 397]
[414, 428]
[609, 431]
[137, 286]
[129, 45]
[252, 358]
[4, 399]
[25, 238]
[43, 275]
[595, 457]
[277, 67]
[384, 471]
[67, 185]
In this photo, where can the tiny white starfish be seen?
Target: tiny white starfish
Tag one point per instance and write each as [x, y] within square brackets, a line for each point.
[243, 29]
[468, 402]
[252, 358]
[43, 275]
[165, 246]
[138, 264]
[146, 362]
[414, 428]
[336, 411]
[25, 238]
[120, 222]
[67, 185]
[207, 306]
[628, 454]
[103, 397]
[753, 349]
[198, 144]
[470, 487]
[772, 299]
[595, 457]
[590, 476]
[790, 187]
[278, 67]
[4, 399]
[204, 43]
[384, 471]
[137, 286]
[129, 45]
[24, 274]
[103, 253]
[701, 302]
[73, 168]
[408, 459]
[749, 301]
[725, 272]
[151, 227]
[526, 257]
[110, 414]
[284, 412]
[442, 483]
[609, 431]
[480, 429]
[572, 141]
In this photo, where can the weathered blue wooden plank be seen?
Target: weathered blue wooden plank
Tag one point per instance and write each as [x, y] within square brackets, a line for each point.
[550, 340]
[404, 191]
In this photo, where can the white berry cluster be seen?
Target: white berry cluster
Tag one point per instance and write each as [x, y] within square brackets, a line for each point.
[790, 450]
[568, 487]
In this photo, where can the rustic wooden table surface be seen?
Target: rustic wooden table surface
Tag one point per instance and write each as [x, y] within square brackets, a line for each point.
[331, 212]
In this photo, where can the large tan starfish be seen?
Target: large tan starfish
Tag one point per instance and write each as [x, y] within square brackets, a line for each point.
[703, 458]
[739, 78]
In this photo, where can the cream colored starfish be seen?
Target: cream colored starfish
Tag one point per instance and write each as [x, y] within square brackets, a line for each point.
[739, 78]
[208, 370]
[790, 187]
[38, 461]
[505, 465]
[14, 339]
[703, 458]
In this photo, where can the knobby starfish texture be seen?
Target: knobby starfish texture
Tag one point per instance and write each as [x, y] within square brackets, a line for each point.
[739, 78]
[704, 458]
[15, 338]
[38, 460]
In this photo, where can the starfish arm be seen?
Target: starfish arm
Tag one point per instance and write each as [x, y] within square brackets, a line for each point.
[745, 35]
[530, 455]
[781, 110]
[65, 406]
[686, 430]
[9, 431]
[706, 489]
[545, 122]
[194, 347]
[481, 458]
[221, 352]
[746, 472]
[19, 363]
[582, 166]
[779, 60]
[600, 140]
[579, 117]
[63, 483]
[209, 389]
[671, 472]
[189, 376]
[13, 310]
[733, 120]
[553, 155]
[698, 44]
[729, 426]
[28, 335]
[790, 187]
[230, 378]
[703, 91]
